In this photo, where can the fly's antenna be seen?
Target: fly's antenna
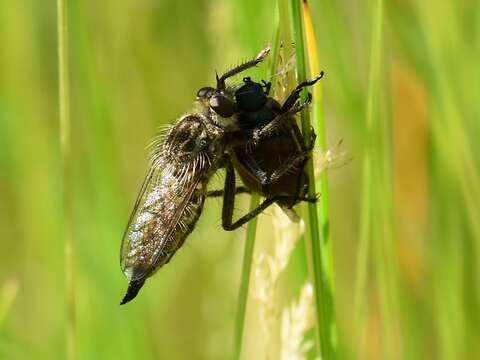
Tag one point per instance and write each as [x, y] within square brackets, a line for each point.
[236, 70]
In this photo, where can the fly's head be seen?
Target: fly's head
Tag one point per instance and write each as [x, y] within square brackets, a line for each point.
[219, 106]
[233, 108]
[223, 104]
[247, 97]
[219, 101]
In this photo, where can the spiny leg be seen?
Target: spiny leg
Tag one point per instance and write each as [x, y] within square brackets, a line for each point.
[301, 174]
[289, 108]
[288, 165]
[229, 226]
[267, 87]
[293, 200]
[273, 126]
[247, 65]
[291, 164]
[229, 202]
[295, 95]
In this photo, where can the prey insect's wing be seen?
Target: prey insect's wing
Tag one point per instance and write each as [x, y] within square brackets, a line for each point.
[156, 229]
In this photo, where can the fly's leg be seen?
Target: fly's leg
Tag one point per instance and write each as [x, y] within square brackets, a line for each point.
[229, 202]
[247, 65]
[238, 190]
[229, 226]
[301, 174]
[253, 168]
[295, 95]
[267, 87]
[276, 124]
[295, 199]
[290, 165]
[290, 107]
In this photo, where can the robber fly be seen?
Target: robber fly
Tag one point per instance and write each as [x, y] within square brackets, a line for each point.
[181, 164]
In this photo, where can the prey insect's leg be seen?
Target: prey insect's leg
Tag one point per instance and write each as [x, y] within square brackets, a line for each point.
[229, 202]
[289, 165]
[294, 96]
[252, 167]
[265, 179]
[266, 86]
[273, 126]
[249, 64]
[238, 190]
[302, 187]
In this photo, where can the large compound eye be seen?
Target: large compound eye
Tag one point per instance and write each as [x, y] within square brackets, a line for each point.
[222, 105]
[205, 92]
[250, 97]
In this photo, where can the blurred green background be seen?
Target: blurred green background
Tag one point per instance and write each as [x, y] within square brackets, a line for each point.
[136, 65]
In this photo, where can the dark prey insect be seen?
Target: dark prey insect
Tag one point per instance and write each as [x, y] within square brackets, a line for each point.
[182, 163]
[274, 165]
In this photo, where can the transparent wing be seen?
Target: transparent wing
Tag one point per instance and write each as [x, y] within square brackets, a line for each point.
[155, 226]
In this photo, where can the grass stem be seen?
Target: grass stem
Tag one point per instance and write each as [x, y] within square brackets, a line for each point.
[64, 126]
[376, 226]
[245, 280]
[252, 224]
[317, 220]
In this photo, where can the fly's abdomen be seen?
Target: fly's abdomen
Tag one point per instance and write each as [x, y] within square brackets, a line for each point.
[166, 214]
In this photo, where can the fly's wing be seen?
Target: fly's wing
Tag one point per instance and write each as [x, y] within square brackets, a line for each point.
[156, 228]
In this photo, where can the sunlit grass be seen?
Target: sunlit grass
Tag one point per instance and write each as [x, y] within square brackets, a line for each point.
[317, 221]
[272, 62]
[376, 230]
[245, 280]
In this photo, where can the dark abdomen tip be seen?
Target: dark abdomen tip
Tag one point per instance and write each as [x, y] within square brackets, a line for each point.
[133, 288]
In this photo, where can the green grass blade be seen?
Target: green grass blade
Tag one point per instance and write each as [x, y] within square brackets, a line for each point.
[64, 112]
[363, 253]
[245, 280]
[317, 221]
[252, 224]
[376, 227]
